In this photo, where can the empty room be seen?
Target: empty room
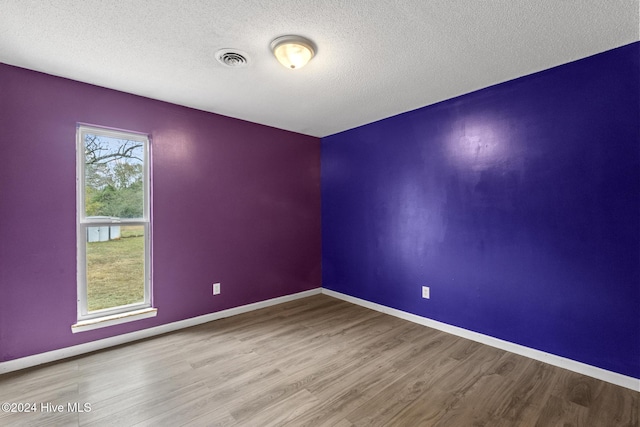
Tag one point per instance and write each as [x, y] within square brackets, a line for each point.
[320, 213]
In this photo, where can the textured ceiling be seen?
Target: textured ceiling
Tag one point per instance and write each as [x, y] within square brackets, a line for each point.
[375, 59]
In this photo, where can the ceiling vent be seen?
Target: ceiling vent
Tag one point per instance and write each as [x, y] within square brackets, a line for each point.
[232, 58]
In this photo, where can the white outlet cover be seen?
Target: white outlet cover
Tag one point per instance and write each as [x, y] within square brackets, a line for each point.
[216, 288]
[426, 292]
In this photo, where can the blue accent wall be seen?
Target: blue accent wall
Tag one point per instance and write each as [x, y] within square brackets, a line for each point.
[518, 204]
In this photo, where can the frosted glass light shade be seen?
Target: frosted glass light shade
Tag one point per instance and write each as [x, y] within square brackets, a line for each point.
[293, 51]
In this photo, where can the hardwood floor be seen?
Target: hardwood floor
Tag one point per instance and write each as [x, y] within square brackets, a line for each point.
[317, 361]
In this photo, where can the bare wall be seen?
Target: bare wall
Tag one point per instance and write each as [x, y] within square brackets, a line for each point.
[233, 202]
[518, 205]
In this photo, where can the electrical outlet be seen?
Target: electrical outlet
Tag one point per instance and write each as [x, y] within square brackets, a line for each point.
[216, 288]
[426, 293]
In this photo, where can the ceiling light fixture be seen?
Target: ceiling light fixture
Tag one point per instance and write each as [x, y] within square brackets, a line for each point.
[293, 51]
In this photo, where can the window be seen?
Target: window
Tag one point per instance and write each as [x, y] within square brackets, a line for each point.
[113, 227]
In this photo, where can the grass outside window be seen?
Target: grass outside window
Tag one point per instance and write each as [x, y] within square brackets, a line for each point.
[115, 270]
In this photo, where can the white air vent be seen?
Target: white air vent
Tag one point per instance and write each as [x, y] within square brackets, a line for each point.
[232, 58]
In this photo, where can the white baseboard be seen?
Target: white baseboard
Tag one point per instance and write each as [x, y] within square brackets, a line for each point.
[562, 362]
[76, 350]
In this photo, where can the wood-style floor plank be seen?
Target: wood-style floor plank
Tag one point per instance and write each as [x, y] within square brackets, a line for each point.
[317, 361]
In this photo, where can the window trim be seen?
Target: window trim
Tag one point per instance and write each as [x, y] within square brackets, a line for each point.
[100, 318]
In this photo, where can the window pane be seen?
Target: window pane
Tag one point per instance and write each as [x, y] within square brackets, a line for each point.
[114, 179]
[115, 266]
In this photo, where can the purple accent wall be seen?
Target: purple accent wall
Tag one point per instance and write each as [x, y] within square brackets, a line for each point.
[233, 202]
[517, 204]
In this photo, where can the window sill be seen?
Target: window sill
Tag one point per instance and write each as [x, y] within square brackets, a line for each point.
[114, 319]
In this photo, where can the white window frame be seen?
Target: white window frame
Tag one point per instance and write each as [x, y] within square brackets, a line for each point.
[125, 313]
